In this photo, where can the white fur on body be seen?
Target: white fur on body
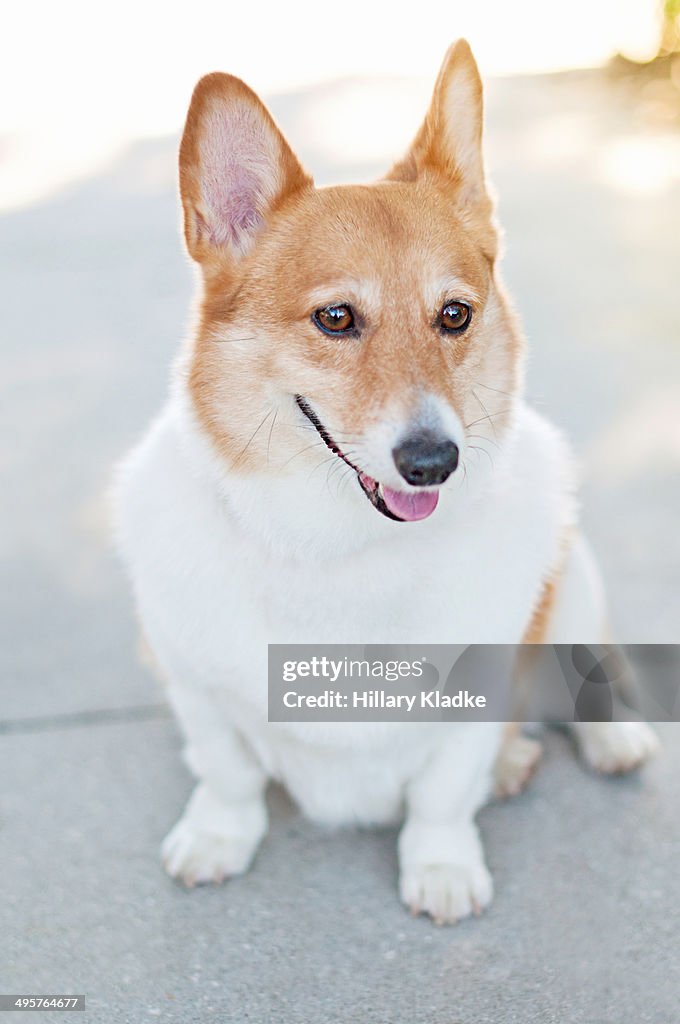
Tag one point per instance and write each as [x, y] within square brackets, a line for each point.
[224, 564]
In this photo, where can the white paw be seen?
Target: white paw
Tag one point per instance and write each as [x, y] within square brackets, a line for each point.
[213, 841]
[517, 762]
[447, 892]
[197, 857]
[616, 747]
[443, 873]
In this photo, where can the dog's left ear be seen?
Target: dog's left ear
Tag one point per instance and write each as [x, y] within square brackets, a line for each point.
[448, 146]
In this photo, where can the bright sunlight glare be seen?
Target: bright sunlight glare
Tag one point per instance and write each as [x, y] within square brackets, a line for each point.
[81, 80]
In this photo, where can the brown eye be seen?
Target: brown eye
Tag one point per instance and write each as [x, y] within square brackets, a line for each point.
[334, 319]
[455, 316]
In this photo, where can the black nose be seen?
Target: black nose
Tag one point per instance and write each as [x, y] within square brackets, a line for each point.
[425, 459]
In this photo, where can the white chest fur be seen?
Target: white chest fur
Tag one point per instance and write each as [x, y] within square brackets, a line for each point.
[224, 562]
[220, 569]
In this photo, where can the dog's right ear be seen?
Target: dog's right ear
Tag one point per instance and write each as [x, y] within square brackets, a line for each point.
[235, 168]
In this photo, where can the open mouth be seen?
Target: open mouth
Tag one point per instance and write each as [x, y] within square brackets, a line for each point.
[402, 506]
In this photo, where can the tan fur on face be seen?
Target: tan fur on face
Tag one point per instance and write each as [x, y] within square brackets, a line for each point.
[396, 251]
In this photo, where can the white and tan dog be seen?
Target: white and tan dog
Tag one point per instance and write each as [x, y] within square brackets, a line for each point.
[345, 457]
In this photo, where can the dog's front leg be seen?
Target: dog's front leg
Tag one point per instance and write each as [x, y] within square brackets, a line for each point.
[226, 816]
[441, 860]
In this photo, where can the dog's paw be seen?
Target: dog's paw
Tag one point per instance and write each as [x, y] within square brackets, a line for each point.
[447, 892]
[616, 747]
[211, 841]
[197, 857]
[517, 762]
[443, 873]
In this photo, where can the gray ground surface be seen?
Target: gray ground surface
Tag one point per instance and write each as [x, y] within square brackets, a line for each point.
[586, 924]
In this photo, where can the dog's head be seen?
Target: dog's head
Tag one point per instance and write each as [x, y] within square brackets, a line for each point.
[360, 324]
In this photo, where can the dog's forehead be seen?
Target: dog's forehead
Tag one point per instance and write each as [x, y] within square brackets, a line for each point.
[387, 232]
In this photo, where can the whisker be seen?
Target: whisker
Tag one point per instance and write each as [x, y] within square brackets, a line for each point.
[344, 477]
[484, 409]
[332, 471]
[316, 444]
[347, 475]
[271, 431]
[477, 448]
[252, 436]
[478, 384]
[231, 341]
[483, 437]
[338, 438]
[487, 417]
[324, 462]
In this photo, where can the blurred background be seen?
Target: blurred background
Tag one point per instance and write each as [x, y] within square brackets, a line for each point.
[583, 144]
[81, 81]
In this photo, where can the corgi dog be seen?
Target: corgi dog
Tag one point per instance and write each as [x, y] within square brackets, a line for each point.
[345, 456]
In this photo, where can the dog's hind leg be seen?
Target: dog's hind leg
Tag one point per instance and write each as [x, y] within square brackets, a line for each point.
[516, 762]
[574, 612]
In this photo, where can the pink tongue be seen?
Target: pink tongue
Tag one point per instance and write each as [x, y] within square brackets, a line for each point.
[417, 505]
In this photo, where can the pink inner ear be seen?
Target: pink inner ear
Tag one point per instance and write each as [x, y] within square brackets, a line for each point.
[238, 171]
